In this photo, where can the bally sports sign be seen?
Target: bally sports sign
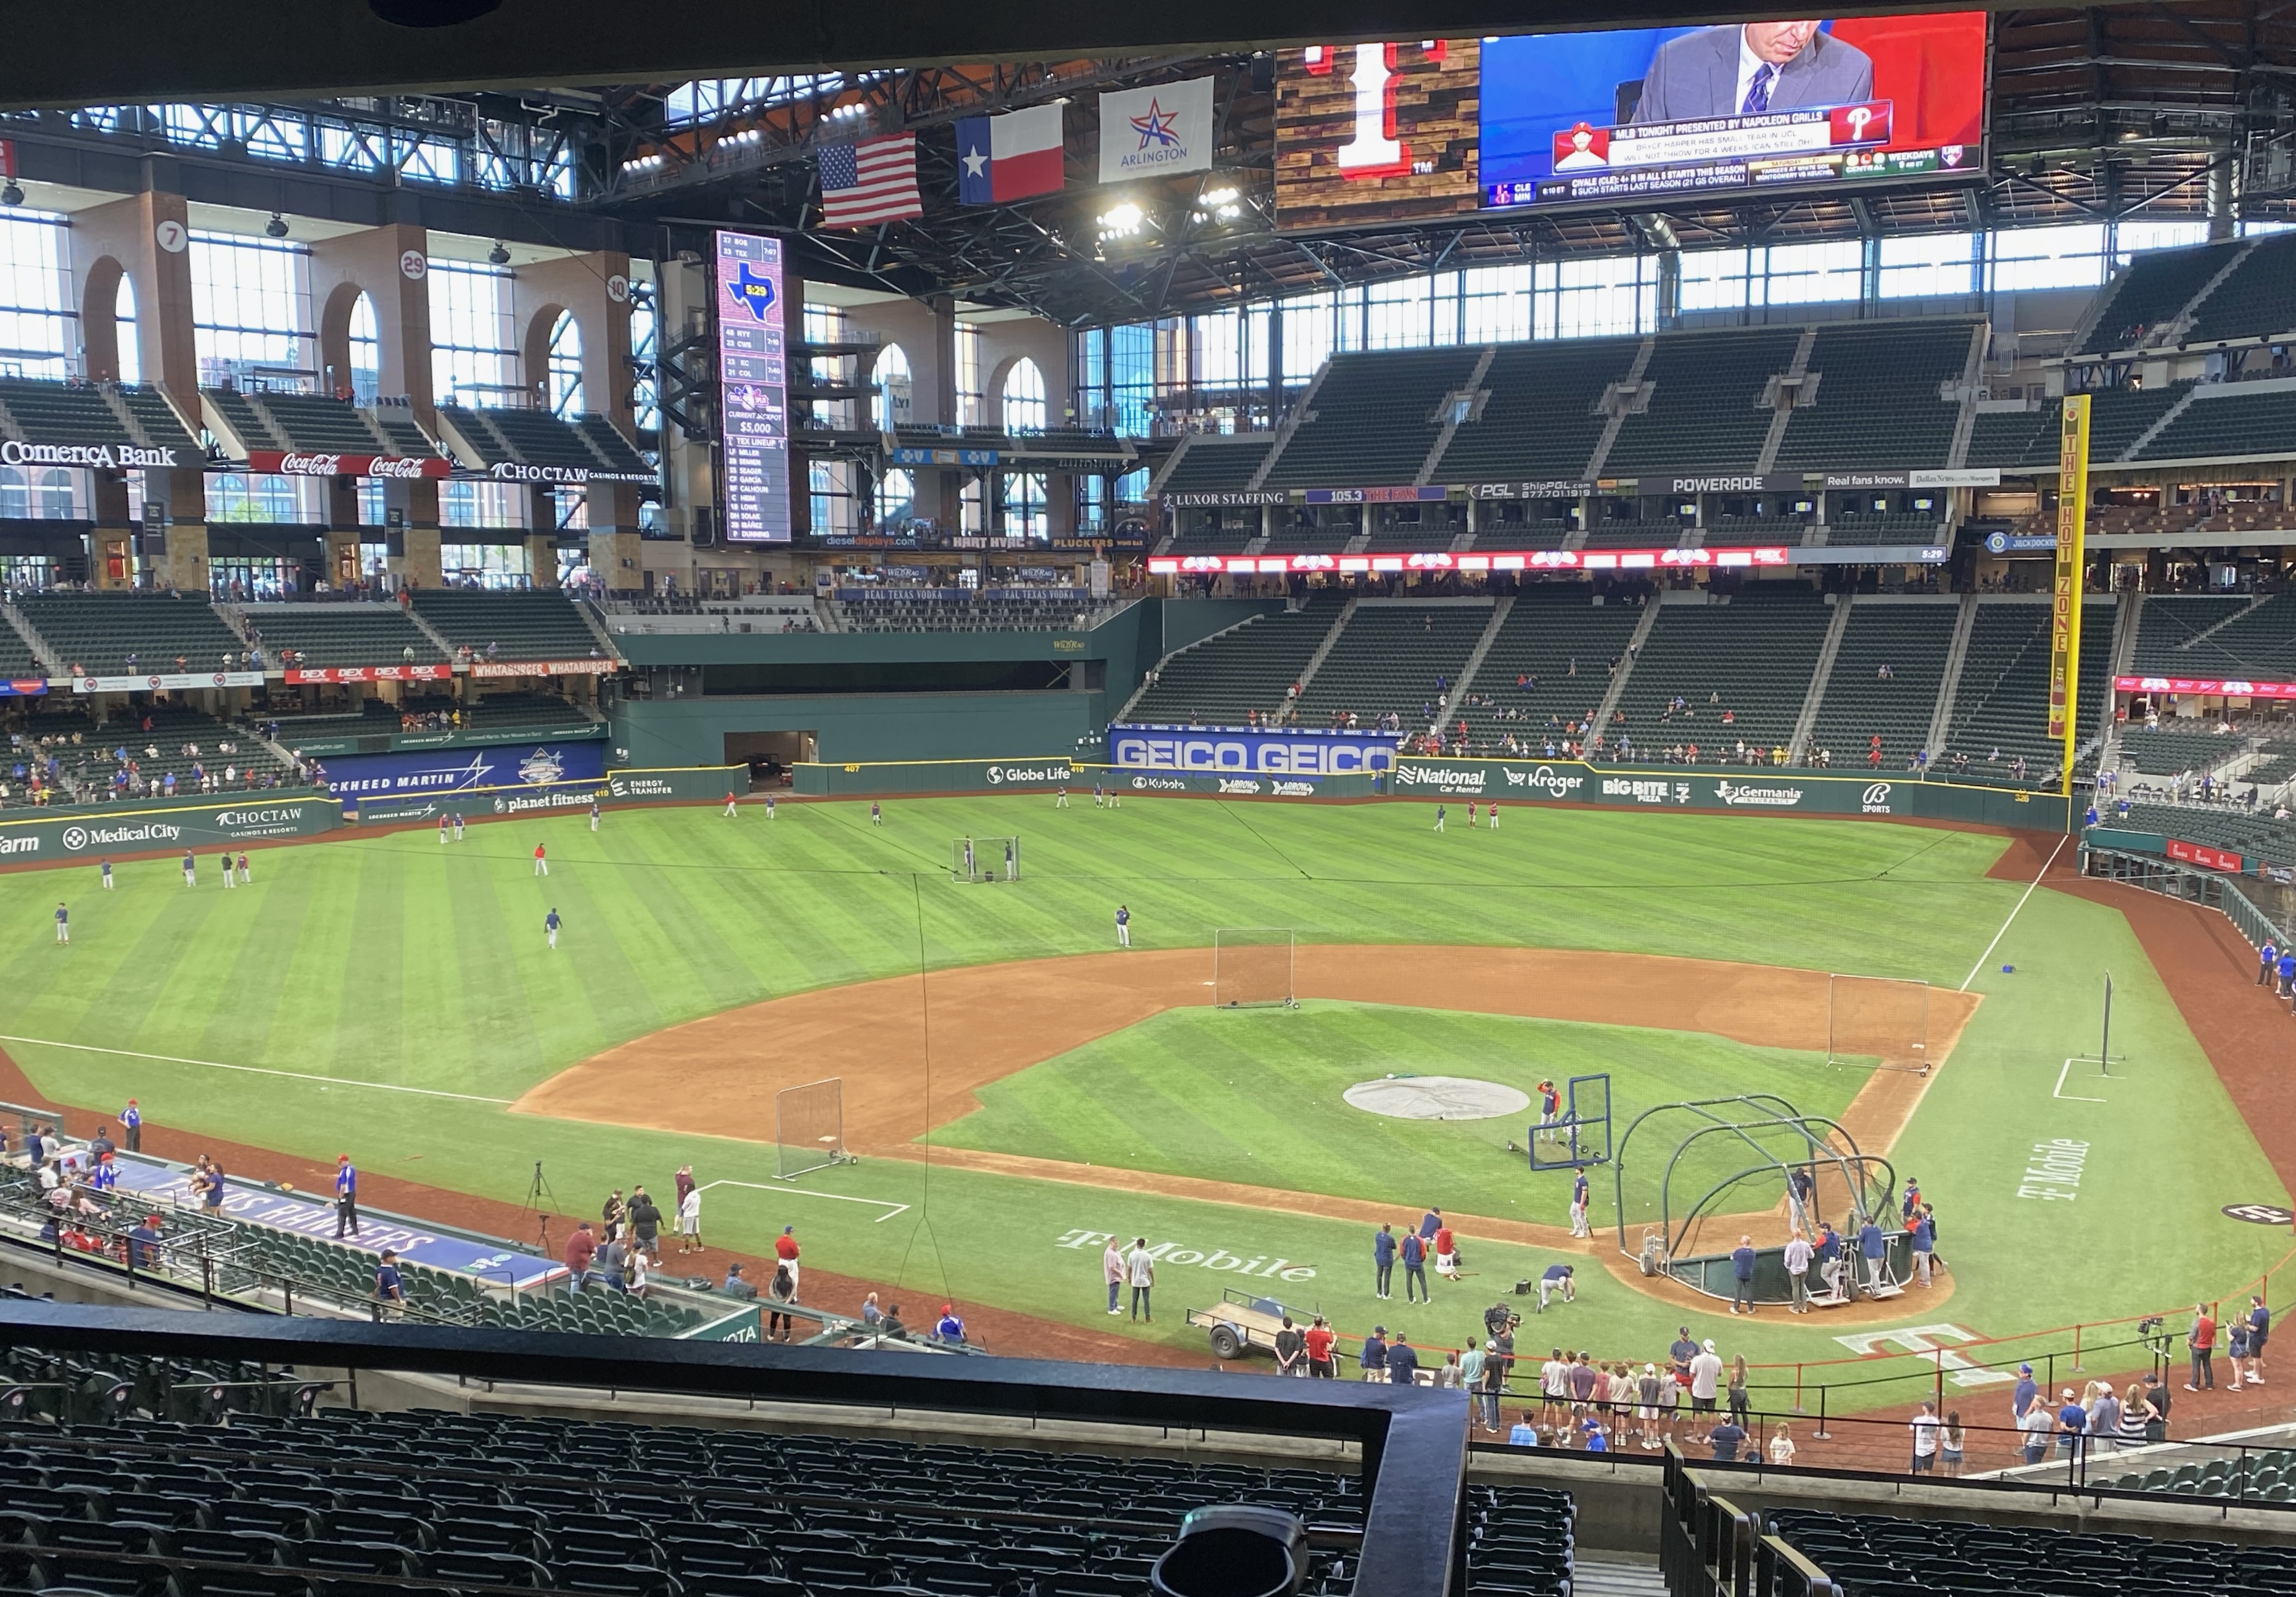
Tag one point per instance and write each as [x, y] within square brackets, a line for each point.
[1247, 752]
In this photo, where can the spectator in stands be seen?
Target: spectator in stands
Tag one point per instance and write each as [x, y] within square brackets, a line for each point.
[890, 1325]
[1141, 1267]
[1741, 1270]
[1924, 1426]
[144, 1244]
[2072, 1419]
[1525, 1433]
[949, 1328]
[390, 1289]
[689, 1220]
[611, 1255]
[738, 1286]
[781, 1291]
[1705, 1378]
[610, 1216]
[1726, 1439]
[581, 1251]
[634, 1272]
[1373, 1360]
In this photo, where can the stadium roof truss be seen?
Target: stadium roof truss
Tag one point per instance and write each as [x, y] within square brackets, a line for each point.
[2152, 111]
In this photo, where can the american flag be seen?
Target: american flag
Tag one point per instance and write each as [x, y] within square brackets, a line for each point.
[872, 182]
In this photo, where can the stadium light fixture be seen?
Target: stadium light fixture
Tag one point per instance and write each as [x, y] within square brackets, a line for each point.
[499, 256]
[12, 193]
[1221, 203]
[1122, 220]
[276, 227]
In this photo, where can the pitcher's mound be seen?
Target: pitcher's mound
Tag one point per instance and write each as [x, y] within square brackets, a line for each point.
[1437, 1098]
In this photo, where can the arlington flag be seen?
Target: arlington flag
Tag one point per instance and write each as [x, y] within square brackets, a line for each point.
[1147, 133]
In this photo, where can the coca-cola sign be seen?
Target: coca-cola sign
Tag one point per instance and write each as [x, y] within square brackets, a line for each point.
[277, 462]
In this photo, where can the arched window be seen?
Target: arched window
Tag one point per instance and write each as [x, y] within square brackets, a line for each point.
[564, 393]
[365, 352]
[1024, 398]
[54, 502]
[897, 499]
[891, 376]
[123, 314]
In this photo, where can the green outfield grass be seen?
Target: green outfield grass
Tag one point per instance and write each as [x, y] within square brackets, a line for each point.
[1257, 1096]
[388, 959]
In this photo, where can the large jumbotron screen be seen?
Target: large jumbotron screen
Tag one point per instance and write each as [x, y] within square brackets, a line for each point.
[1378, 134]
[1649, 111]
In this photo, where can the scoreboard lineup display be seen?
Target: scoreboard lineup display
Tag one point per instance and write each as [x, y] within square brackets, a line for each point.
[1416, 131]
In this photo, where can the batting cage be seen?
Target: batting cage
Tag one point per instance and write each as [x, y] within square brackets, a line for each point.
[1252, 967]
[984, 859]
[809, 1127]
[1878, 1020]
[1693, 1178]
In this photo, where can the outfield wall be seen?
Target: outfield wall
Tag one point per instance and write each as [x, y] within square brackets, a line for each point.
[1563, 782]
[77, 837]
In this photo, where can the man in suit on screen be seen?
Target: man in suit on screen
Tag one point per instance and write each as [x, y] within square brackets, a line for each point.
[1744, 69]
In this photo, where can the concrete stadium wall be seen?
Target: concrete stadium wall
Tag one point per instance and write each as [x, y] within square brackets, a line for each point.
[862, 727]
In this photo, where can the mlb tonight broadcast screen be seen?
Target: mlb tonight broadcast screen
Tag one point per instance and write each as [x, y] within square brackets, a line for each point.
[1418, 130]
[1574, 117]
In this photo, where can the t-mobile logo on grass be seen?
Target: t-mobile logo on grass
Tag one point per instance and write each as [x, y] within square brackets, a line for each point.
[1931, 1339]
[1218, 1258]
[2055, 1170]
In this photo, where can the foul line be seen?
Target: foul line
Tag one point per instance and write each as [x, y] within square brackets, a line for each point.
[2004, 932]
[334, 1081]
[892, 1208]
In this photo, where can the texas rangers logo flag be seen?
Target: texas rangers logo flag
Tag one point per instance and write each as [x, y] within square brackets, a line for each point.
[1000, 159]
[1147, 133]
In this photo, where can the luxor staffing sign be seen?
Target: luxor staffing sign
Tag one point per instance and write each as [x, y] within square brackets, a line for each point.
[2065, 617]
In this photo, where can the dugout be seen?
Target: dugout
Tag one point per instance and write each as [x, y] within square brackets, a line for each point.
[1693, 1177]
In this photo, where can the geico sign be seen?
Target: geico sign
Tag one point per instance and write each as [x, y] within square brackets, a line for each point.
[1303, 756]
[109, 457]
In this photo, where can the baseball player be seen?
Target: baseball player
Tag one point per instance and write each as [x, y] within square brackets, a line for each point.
[246, 876]
[969, 871]
[1494, 807]
[442, 825]
[1123, 927]
[550, 923]
[1099, 800]
[877, 815]
[541, 861]
[190, 869]
[346, 1196]
[458, 826]
[1439, 817]
[1012, 868]
[228, 880]
[1550, 1110]
[1579, 1226]
[594, 814]
[106, 864]
[730, 811]
[1470, 812]
[63, 924]
[1060, 797]
[769, 806]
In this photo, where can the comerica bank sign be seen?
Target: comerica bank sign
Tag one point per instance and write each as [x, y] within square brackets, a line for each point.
[1260, 753]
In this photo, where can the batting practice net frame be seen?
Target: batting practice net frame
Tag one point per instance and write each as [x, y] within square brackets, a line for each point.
[984, 859]
[1252, 967]
[809, 1127]
[1878, 1018]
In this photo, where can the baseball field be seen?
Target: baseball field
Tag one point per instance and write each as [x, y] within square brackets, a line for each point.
[1016, 1086]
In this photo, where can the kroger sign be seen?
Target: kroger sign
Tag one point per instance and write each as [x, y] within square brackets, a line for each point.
[1263, 753]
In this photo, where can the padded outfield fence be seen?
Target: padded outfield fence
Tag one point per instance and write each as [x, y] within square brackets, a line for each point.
[1513, 783]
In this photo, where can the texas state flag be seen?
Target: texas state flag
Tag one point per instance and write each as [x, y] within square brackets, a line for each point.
[1010, 157]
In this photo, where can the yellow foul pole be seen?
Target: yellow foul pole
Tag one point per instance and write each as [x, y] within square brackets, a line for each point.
[2065, 618]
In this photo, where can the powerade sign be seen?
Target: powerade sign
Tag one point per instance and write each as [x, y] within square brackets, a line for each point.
[403, 775]
[1251, 753]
